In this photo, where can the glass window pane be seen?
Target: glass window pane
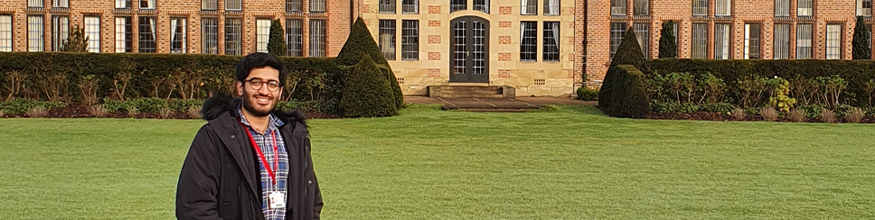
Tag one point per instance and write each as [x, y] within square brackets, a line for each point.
[294, 37]
[387, 38]
[410, 40]
[233, 35]
[833, 41]
[210, 41]
[529, 41]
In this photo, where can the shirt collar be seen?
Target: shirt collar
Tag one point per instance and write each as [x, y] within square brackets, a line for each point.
[274, 121]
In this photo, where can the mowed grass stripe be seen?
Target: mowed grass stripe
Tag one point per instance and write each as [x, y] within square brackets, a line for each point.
[567, 163]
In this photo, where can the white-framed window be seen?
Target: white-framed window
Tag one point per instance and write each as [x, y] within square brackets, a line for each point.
[294, 5]
[481, 5]
[317, 6]
[387, 38]
[529, 41]
[92, 31]
[123, 34]
[700, 8]
[551, 41]
[529, 7]
[233, 37]
[147, 36]
[618, 29]
[60, 3]
[210, 35]
[34, 3]
[721, 41]
[458, 5]
[409, 40]
[233, 5]
[803, 41]
[833, 41]
[864, 8]
[752, 41]
[805, 8]
[699, 42]
[35, 30]
[123, 4]
[147, 4]
[387, 6]
[295, 37]
[178, 35]
[317, 38]
[551, 7]
[262, 30]
[782, 8]
[618, 7]
[5, 33]
[60, 31]
[782, 41]
[641, 7]
[209, 5]
[642, 33]
[724, 8]
[411, 6]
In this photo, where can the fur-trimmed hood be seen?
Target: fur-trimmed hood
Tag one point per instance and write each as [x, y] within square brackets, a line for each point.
[220, 103]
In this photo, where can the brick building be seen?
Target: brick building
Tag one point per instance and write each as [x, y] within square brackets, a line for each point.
[538, 47]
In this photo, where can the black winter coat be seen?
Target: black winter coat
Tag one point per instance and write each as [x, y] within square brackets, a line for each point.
[220, 176]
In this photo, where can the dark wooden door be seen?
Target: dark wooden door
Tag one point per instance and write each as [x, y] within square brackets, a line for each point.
[469, 50]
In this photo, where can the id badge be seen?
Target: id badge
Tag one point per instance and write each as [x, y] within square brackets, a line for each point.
[277, 200]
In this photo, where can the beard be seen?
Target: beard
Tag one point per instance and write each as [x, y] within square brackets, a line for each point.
[250, 105]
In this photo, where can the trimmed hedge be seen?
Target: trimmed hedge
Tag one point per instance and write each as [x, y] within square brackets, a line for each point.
[367, 92]
[153, 75]
[360, 41]
[629, 100]
[856, 73]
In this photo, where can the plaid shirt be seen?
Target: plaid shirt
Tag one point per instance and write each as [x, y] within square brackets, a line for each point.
[265, 142]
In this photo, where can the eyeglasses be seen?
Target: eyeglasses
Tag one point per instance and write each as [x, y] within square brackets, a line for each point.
[257, 83]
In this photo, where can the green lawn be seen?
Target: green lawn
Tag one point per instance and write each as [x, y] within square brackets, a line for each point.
[569, 163]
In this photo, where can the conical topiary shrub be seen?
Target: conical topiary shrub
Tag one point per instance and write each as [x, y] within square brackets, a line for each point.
[361, 42]
[629, 53]
[276, 43]
[366, 92]
[860, 43]
[668, 45]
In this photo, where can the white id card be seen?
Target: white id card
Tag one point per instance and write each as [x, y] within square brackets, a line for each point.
[277, 200]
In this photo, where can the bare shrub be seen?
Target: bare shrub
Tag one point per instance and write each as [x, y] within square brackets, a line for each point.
[132, 111]
[828, 116]
[195, 112]
[855, 115]
[38, 112]
[165, 113]
[2, 114]
[739, 114]
[797, 115]
[769, 114]
[15, 80]
[88, 86]
[97, 110]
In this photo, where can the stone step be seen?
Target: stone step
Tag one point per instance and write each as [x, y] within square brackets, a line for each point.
[471, 92]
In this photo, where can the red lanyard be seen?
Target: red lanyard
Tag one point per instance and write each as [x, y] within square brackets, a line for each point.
[261, 155]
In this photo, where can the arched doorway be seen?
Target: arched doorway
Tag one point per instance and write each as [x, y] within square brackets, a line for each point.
[469, 50]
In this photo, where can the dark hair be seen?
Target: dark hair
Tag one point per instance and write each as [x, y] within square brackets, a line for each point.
[259, 60]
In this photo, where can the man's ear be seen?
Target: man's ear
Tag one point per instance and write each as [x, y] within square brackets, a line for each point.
[239, 89]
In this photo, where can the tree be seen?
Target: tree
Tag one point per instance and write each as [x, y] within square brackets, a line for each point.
[276, 45]
[629, 53]
[76, 41]
[668, 47]
[861, 42]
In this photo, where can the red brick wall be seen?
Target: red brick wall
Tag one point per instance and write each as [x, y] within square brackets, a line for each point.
[337, 18]
[753, 11]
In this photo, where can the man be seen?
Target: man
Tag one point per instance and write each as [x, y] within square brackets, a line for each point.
[250, 161]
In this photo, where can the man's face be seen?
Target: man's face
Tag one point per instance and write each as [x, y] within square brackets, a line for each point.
[260, 101]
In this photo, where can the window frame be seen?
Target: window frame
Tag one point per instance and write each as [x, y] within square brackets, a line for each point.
[838, 42]
[292, 4]
[725, 50]
[318, 6]
[458, 5]
[483, 6]
[801, 47]
[643, 12]
[262, 38]
[319, 48]
[555, 10]
[726, 5]
[234, 36]
[782, 8]
[209, 5]
[776, 51]
[528, 44]
[699, 41]
[698, 9]
[123, 37]
[387, 6]
[229, 5]
[525, 7]
[142, 36]
[616, 37]
[60, 31]
[387, 29]
[551, 55]
[861, 9]
[619, 7]
[409, 40]
[6, 43]
[750, 42]
[643, 39]
[35, 3]
[60, 3]
[179, 37]
[210, 35]
[800, 9]
[152, 7]
[295, 37]
[35, 36]
[409, 6]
